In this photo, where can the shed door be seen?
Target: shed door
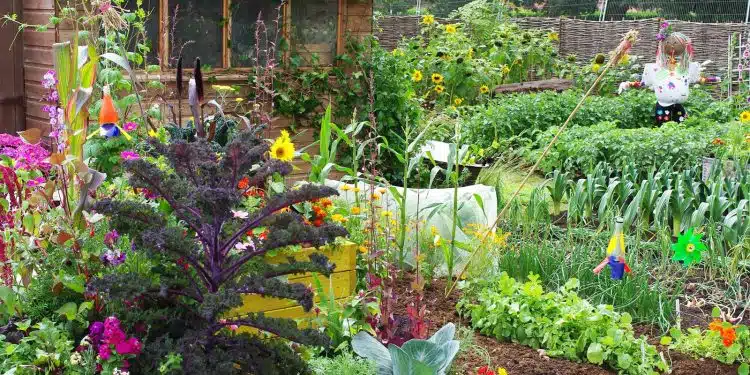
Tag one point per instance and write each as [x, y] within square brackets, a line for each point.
[11, 73]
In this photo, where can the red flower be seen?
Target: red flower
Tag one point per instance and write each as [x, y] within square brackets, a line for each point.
[485, 370]
[244, 183]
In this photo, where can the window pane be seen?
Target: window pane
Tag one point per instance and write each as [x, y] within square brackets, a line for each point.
[198, 31]
[244, 26]
[314, 25]
[151, 27]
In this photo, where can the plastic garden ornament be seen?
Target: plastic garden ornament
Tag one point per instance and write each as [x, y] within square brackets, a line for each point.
[108, 118]
[688, 248]
[615, 258]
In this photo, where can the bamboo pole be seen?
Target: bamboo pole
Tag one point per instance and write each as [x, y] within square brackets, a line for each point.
[616, 55]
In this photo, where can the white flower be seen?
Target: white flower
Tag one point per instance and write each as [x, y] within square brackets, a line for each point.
[76, 359]
[240, 214]
[120, 372]
[85, 341]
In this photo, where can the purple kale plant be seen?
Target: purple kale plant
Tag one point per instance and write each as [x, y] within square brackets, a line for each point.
[202, 274]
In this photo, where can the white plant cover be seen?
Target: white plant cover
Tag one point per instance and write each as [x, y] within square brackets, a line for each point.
[477, 205]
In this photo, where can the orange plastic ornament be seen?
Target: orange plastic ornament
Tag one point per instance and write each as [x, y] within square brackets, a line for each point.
[108, 113]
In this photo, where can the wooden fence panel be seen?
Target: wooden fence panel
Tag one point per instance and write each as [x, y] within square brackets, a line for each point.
[11, 74]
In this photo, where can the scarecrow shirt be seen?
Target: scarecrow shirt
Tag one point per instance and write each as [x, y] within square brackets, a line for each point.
[670, 86]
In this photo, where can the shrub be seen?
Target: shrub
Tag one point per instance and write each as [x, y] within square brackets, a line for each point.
[342, 364]
[561, 323]
[196, 269]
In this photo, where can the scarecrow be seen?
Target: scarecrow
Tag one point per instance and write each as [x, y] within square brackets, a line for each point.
[671, 75]
[615, 258]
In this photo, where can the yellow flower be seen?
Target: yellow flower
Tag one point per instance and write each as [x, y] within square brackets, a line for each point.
[339, 218]
[283, 148]
[745, 116]
[362, 249]
[554, 37]
[471, 53]
[356, 210]
[625, 59]
[437, 240]
[428, 19]
[346, 187]
[506, 70]
[484, 89]
[501, 371]
[437, 78]
[416, 76]
[387, 213]
[433, 230]
[450, 29]
[222, 88]
[439, 89]
[397, 52]
[458, 101]
[393, 222]
[239, 100]
[356, 189]
[153, 134]
[381, 190]
[421, 257]
[595, 68]
[375, 196]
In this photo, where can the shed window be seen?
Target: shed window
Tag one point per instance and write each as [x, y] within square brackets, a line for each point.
[223, 32]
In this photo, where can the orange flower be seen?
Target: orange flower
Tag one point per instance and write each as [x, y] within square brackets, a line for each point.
[728, 335]
[326, 202]
[318, 222]
[717, 325]
[244, 183]
[717, 141]
[356, 210]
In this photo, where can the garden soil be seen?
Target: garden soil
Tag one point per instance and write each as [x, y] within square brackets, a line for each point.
[518, 359]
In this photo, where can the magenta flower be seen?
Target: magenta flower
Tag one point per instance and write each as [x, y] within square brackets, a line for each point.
[104, 352]
[129, 346]
[129, 155]
[39, 181]
[130, 126]
[111, 238]
[7, 140]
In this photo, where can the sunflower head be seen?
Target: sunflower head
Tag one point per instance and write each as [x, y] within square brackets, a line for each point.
[506, 70]
[439, 89]
[458, 101]
[553, 37]
[283, 148]
[437, 78]
[745, 116]
[450, 29]
[428, 19]
[484, 89]
[416, 76]
[595, 68]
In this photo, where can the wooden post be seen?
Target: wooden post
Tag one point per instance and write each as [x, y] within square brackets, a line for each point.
[164, 34]
[226, 49]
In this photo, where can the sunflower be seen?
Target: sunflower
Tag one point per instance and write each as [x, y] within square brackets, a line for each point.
[283, 148]
[553, 37]
[688, 248]
[745, 116]
[484, 89]
[595, 68]
[458, 101]
[506, 70]
[428, 19]
[439, 89]
[450, 29]
[416, 76]
[625, 59]
[437, 78]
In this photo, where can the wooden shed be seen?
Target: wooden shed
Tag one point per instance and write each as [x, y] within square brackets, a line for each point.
[219, 31]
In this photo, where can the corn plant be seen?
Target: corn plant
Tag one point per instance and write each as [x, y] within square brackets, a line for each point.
[680, 205]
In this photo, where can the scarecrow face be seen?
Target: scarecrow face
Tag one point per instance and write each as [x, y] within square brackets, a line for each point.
[673, 46]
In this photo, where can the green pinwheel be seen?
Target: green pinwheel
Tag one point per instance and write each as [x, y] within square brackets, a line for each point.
[688, 248]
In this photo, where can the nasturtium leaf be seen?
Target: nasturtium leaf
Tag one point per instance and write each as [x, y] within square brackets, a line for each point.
[595, 353]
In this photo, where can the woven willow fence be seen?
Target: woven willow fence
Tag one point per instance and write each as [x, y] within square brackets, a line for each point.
[587, 38]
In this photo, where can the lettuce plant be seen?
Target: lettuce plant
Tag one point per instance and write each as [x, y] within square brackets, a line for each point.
[198, 269]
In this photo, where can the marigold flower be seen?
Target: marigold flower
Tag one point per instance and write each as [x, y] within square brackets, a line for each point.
[339, 218]
[356, 210]
[244, 183]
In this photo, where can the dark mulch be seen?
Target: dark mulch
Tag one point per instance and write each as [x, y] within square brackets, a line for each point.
[522, 360]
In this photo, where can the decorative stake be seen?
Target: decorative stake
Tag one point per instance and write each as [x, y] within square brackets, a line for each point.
[615, 258]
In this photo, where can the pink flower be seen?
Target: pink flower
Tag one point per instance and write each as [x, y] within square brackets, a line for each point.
[104, 352]
[129, 155]
[130, 126]
[130, 346]
[36, 182]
